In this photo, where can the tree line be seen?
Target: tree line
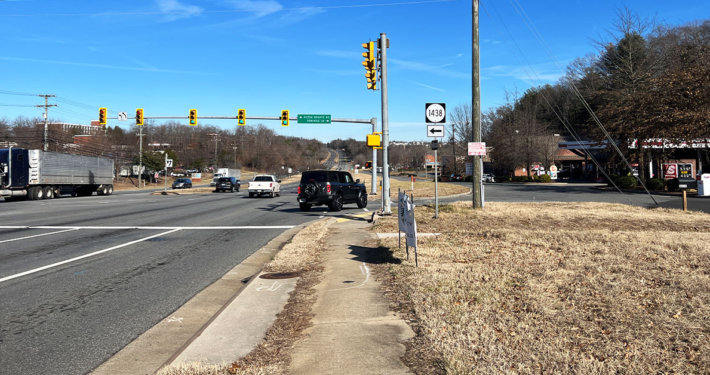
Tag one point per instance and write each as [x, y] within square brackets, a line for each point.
[201, 147]
[647, 80]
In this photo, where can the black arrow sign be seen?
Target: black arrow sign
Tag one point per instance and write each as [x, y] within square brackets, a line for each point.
[434, 131]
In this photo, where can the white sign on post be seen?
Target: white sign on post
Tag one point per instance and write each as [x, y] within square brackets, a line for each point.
[435, 131]
[122, 116]
[435, 112]
[168, 163]
[477, 148]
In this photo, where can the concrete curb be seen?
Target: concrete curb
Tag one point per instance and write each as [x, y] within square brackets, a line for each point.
[162, 343]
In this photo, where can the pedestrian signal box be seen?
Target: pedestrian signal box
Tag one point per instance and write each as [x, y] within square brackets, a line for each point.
[373, 140]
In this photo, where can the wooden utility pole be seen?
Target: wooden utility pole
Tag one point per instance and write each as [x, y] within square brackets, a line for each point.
[476, 111]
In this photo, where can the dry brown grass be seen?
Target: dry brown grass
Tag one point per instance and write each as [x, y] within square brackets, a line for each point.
[556, 289]
[422, 189]
[272, 356]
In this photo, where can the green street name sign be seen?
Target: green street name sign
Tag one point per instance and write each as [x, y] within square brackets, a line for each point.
[314, 119]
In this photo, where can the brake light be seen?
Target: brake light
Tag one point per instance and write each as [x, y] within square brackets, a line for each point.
[328, 187]
[271, 184]
[299, 190]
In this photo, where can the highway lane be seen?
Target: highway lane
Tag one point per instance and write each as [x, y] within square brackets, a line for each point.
[71, 317]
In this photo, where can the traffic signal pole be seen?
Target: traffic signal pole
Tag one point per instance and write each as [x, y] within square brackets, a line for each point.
[385, 127]
[374, 163]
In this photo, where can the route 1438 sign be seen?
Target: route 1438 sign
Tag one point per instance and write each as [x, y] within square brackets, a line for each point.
[435, 113]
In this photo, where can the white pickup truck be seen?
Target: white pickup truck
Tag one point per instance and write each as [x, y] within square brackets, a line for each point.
[264, 184]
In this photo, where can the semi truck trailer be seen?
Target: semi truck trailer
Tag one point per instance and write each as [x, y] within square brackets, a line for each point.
[36, 174]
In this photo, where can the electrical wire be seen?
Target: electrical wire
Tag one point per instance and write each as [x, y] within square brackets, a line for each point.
[554, 108]
[263, 10]
[551, 56]
[6, 92]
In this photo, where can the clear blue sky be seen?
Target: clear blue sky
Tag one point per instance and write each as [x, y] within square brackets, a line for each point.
[168, 56]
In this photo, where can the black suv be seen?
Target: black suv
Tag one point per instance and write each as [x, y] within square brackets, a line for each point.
[230, 184]
[333, 188]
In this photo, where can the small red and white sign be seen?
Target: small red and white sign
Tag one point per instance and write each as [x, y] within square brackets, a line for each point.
[477, 148]
[553, 168]
[535, 167]
[670, 170]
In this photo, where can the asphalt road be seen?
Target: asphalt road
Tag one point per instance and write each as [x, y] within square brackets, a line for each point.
[512, 192]
[144, 256]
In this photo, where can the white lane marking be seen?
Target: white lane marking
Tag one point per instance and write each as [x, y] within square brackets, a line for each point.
[150, 228]
[84, 256]
[174, 319]
[271, 288]
[39, 235]
[365, 271]
[366, 210]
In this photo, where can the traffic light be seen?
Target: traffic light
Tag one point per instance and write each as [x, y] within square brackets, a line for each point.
[368, 164]
[284, 117]
[139, 116]
[242, 117]
[193, 117]
[102, 116]
[370, 65]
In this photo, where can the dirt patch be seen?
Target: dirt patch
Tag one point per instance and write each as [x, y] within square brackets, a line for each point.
[272, 356]
[579, 288]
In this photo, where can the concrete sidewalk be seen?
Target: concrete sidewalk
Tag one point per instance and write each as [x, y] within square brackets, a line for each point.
[354, 331]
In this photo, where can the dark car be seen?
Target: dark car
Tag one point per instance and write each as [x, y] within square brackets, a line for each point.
[230, 184]
[456, 178]
[182, 183]
[332, 188]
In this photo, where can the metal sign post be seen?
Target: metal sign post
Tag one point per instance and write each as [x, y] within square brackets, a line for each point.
[435, 113]
[166, 171]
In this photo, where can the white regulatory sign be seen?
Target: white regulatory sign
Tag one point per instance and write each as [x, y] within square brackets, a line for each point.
[477, 148]
[169, 163]
[435, 112]
[122, 116]
[435, 131]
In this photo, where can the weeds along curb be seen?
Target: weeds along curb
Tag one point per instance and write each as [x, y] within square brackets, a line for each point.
[273, 247]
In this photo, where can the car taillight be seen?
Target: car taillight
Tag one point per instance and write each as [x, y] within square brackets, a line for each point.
[327, 187]
[299, 190]
[271, 185]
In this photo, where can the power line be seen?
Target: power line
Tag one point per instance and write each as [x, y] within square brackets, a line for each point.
[264, 10]
[576, 91]
[564, 122]
[6, 92]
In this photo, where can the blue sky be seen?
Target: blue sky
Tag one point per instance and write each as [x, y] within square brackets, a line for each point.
[168, 56]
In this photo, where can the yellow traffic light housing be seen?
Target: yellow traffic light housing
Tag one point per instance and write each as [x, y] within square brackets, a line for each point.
[102, 115]
[373, 140]
[284, 118]
[193, 117]
[242, 117]
[139, 116]
[370, 65]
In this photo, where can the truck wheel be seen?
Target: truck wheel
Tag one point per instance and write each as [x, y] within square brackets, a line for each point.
[337, 203]
[47, 192]
[304, 207]
[104, 191]
[251, 195]
[36, 193]
[362, 200]
[110, 189]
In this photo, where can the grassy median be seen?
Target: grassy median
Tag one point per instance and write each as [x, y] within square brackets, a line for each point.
[555, 289]
[422, 189]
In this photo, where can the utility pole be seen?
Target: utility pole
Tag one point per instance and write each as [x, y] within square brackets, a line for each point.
[477, 162]
[384, 44]
[215, 135]
[46, 115]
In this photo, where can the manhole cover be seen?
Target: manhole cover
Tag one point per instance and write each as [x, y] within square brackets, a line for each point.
[279, 275]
